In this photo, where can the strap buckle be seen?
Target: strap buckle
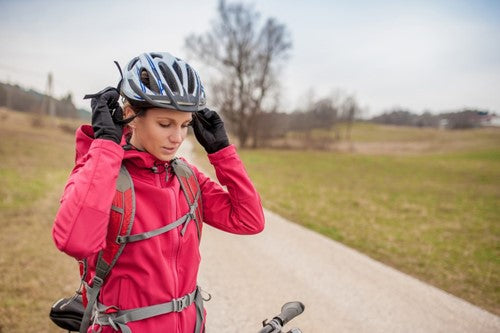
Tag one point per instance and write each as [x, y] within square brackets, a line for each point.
[180, 304]
[192, 210]
[97, 282]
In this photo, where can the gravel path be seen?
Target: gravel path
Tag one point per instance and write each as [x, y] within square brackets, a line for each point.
[250, 277]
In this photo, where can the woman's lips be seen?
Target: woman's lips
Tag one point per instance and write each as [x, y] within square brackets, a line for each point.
[169, 150]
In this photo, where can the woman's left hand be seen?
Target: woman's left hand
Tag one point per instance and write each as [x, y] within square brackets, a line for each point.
[209, 130]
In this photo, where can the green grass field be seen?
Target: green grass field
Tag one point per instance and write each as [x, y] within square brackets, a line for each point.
[434, 214]
[34, 165]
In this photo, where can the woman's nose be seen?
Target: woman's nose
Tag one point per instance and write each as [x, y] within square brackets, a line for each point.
[176, 136]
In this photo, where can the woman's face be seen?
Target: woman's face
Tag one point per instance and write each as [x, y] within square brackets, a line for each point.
[160, 132]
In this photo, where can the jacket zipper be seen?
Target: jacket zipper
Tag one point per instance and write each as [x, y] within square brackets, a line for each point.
[178, 245]
[176, 238]
[158, 180]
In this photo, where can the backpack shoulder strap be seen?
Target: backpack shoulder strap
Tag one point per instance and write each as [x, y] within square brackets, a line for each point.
[191, 189]
[120, 225]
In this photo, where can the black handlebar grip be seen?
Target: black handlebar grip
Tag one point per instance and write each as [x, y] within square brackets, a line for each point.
[289, 311]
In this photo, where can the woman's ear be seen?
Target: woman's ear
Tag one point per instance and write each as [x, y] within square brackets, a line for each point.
[129, 112]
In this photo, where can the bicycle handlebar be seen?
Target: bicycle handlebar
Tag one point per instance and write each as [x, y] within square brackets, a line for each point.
[289, 311]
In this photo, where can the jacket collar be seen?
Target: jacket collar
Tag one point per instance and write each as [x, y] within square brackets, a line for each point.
[141, 162]
[144, 160]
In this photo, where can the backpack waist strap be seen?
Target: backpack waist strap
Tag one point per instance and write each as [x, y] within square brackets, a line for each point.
[118, 319]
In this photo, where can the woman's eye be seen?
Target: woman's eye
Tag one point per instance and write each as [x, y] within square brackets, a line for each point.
[188, 124]
[164, 125]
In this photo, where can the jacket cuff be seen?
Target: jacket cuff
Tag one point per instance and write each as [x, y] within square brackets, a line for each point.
[108, 145]
[222, 154]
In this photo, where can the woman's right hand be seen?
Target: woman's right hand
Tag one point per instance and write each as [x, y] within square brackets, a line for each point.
[106, 112]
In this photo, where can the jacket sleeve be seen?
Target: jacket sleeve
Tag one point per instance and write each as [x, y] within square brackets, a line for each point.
[237, 210]
[82, 220]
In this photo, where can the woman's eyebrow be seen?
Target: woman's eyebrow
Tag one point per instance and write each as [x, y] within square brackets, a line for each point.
[163, 118]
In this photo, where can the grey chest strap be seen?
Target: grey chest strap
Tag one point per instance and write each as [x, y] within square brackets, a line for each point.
[148, 234]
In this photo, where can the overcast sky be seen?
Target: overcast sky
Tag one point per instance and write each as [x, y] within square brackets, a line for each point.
[438, 55]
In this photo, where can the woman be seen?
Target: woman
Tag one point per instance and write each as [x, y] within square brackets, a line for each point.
[163, 96]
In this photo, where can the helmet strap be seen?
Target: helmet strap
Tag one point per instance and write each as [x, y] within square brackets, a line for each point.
[121, 74]
[129, 119]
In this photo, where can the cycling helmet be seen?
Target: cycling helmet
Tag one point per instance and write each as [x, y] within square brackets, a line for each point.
[164, 81]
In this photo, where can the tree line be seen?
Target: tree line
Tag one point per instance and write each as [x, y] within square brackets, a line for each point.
[460, 119]
[28, 100]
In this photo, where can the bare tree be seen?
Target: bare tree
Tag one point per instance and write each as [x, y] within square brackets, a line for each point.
[350, 110]
[247, 59]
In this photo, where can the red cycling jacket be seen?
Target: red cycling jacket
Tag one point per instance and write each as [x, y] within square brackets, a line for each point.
[164, 267]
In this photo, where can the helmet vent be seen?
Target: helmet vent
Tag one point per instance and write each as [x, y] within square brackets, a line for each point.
[146, 80]
[178, 71]
[132, 63]
[190, 79]
[169, 77]
[145, 77]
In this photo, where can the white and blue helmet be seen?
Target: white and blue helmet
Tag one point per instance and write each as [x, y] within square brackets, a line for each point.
[158, 79]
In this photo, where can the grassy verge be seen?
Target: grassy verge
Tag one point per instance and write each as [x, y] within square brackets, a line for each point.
[367, 138]
[35, 163]
[433, 214]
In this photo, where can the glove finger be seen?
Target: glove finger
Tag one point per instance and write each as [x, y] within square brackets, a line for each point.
[99, 105]
[93, 104]
[98, 94]
[111, 97]
[209, 115]
[101, 115]
[198, 126]
[210, 118]
[203, 112]
[213, 118]
[117, 114]
[200, 120]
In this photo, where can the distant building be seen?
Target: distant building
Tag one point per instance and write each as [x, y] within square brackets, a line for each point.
[490, 120]
[443, 123]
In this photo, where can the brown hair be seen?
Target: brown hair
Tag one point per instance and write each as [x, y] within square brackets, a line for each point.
[138, 112]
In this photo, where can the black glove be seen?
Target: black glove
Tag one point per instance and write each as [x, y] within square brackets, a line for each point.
[209, 130]
[106, 114]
